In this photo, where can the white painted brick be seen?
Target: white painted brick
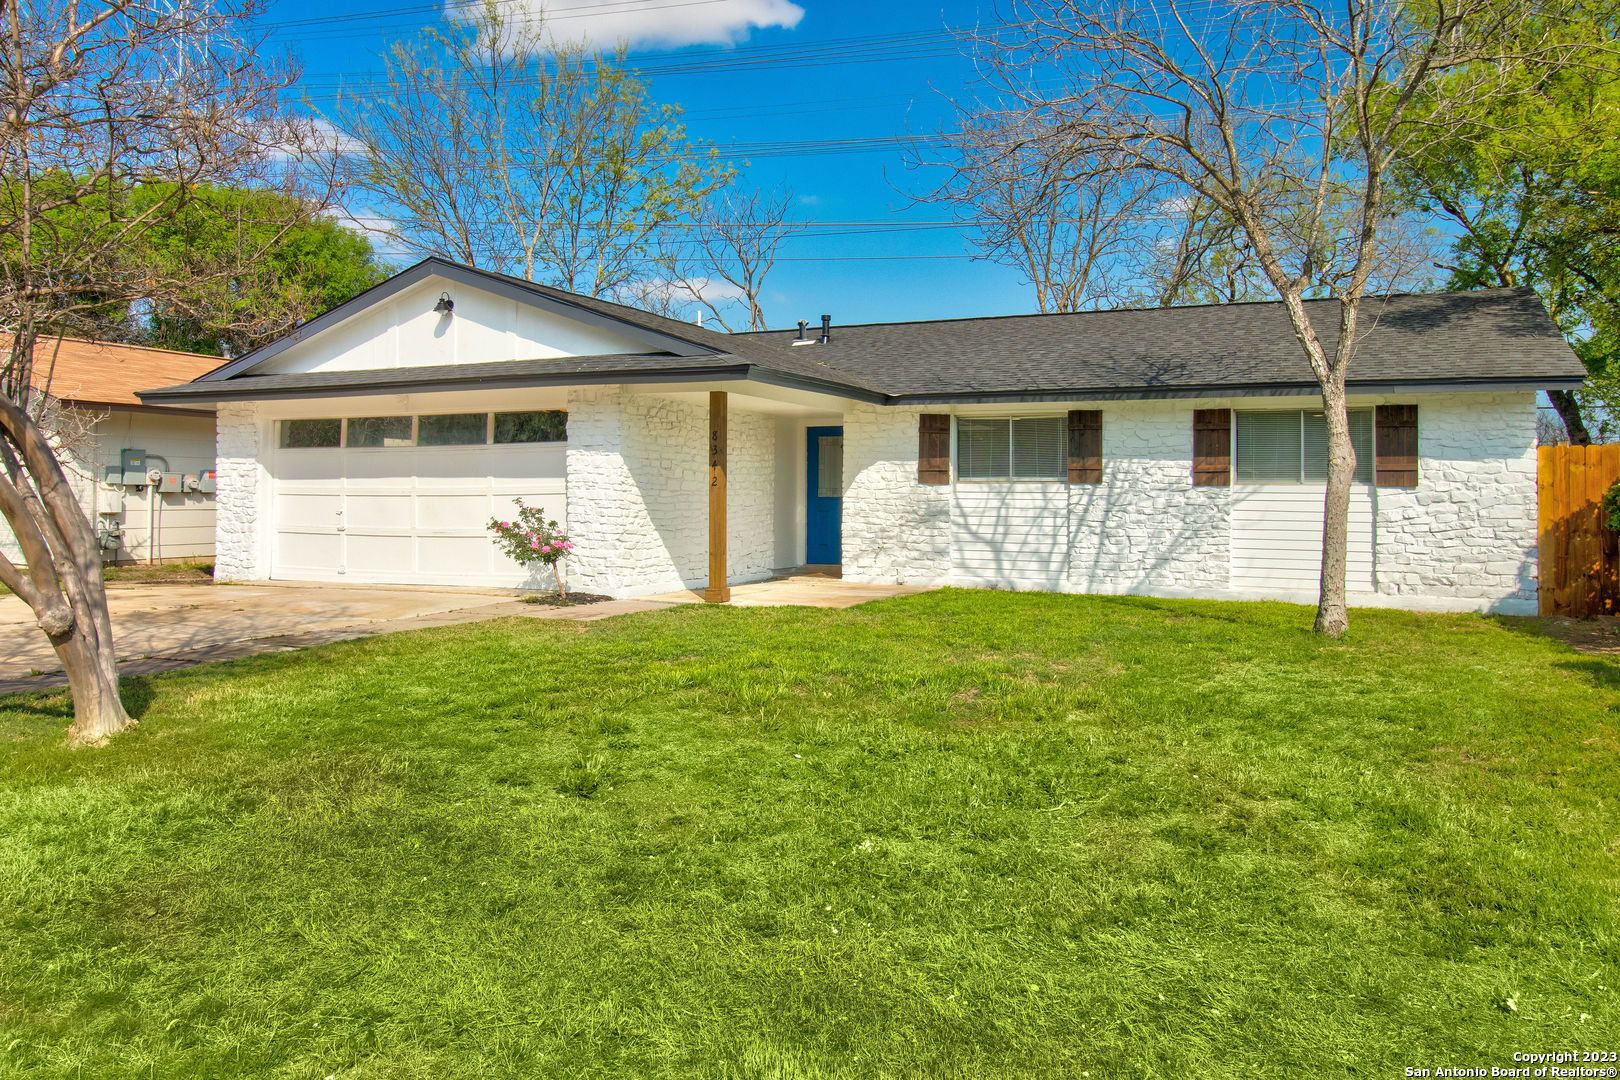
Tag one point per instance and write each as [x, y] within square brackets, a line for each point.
[1469, 528]
[895, 529]
[237, 547]
[1465, 537]
[638, 493]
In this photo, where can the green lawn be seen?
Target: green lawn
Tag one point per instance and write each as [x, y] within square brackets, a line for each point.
[960, 835]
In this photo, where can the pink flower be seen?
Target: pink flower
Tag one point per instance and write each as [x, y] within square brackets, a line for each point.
[506, 524]
[534, 543]
[545, 549]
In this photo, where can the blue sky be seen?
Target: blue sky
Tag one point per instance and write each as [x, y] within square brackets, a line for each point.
[816, 104]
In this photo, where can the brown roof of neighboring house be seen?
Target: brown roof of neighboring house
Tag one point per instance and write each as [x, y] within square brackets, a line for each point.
[108, 374]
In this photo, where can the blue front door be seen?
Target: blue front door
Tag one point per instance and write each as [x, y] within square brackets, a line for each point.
[824, 457]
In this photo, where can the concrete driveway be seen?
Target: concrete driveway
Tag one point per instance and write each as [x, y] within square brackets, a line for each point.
[166, 627]
[189, 623]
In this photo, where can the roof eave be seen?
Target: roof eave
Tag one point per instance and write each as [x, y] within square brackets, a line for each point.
[245, 390]
[1228, 390]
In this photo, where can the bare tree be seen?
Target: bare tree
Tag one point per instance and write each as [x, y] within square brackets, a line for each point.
[1199, 258]
[117, 115]
[501, 147]
[1076, 230]
[1283, 115]
[720, 260]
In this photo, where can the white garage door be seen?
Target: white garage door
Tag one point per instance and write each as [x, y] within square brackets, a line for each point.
[407, 514]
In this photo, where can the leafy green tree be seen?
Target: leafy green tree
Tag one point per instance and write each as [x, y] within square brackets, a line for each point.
[1533, 192]
[240, 303]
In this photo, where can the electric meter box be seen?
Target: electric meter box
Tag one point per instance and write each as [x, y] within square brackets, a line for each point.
[206, 482]
[169, 483]
[133, 464]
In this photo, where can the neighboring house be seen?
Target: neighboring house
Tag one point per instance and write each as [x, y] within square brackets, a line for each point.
[94, 383]
[1172, 451]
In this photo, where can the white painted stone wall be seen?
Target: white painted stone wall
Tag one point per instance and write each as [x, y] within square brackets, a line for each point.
[895, 529]
[238, 554]
[1145, 528]
[638, 493]
[1463, 539]
[1468, 530]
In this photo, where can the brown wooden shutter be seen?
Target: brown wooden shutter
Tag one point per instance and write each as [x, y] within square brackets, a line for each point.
[1085, 446]
[1396, 446]
[1212, 447]
[933, 448]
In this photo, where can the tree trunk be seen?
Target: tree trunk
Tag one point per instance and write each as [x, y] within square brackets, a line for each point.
[64, 572]
[1569, 411]
[98, 711]
[1332, 616]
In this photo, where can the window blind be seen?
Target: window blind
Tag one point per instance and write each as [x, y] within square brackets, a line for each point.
[1268, 447]
[983, 449]
[1316, 446]
[1040, 448]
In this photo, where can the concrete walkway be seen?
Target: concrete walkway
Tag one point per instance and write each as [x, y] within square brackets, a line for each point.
[799, 590]
[162, 628]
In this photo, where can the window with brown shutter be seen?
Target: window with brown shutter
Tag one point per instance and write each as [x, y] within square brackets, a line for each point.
[1085, 446]
[1212, 448]
[933, 448]
[1396, 448]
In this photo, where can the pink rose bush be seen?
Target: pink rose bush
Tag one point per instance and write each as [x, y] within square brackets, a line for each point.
[531, 538]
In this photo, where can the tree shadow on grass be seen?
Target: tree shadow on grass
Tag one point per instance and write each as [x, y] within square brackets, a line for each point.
[1595, 637]
[56, 704]
[138, 694]
[1604, 673]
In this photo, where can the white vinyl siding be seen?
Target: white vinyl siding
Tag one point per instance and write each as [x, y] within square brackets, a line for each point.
[1277, 537]
[1010, 535]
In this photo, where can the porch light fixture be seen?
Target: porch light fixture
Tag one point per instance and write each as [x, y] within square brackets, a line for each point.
[445, 305]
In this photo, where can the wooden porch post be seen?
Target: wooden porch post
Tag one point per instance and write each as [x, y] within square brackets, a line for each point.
[719, 590]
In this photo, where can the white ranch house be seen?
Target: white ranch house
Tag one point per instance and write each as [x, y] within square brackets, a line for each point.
[1168, 452]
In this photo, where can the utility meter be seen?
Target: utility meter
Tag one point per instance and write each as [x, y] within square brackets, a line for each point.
[133, 468]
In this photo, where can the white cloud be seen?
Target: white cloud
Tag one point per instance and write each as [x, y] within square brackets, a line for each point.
[378, 228]
[657, 24]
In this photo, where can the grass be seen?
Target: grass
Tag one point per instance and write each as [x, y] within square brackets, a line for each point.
[956, 835]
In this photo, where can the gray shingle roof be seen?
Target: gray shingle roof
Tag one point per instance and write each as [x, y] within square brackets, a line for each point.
[1481, 336]
[1490, 337]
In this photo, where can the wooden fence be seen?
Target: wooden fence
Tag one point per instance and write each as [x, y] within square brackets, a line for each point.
[1580, 556]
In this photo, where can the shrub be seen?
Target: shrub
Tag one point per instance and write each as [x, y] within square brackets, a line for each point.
[533, 539]
[1611, 506]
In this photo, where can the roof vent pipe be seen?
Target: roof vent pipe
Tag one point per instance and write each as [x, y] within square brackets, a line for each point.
[826, 329]
[802, 324]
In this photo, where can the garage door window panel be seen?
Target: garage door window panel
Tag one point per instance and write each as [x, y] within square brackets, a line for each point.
[550, 425]
[453, 429]
[311, 434]
[374, 431]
